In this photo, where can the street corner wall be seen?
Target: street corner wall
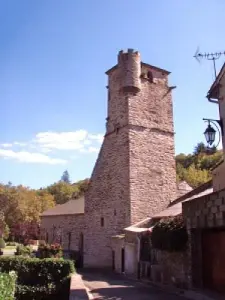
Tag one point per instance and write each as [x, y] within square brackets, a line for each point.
[219, 177]
[207, 211]
[201, 214]
[54, 226]
[107, 207]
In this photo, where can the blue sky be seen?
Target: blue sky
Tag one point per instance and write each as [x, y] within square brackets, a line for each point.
[53, 56]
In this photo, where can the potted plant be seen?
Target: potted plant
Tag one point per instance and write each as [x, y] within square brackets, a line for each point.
[2, 245]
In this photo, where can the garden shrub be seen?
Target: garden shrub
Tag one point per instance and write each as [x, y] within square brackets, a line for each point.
[48, 292]
[170, 234]
[11, 244]
[50, 250]
[44, 271]
[40, 279]
[7, 285]
[23, 250]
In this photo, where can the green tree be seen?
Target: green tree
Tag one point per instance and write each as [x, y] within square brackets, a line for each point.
[195, 177]
[62, 191]
[65, 177]
[200, 148]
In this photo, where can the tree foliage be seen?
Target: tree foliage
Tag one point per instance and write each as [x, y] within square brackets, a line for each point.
[196, 168]
[21, 206]
[65, 177]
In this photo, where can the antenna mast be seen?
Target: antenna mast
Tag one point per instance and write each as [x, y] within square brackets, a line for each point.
[209, 56]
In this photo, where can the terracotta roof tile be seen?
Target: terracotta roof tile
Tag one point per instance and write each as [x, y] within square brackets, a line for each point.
[72, 207]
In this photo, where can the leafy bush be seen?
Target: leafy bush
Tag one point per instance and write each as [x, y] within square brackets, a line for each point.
[2, 243]
[7, 285]
[49, 292]
[44, 271]
[23, 250]
[25, 292]
[170, 235]
[11, 244]
[40, 279]
[48, 251]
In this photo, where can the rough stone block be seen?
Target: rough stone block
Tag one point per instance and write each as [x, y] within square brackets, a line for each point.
[218, 201]
[209, 203]
[214, 209]
[222, 207]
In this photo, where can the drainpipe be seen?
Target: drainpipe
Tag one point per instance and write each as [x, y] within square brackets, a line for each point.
[138, 256]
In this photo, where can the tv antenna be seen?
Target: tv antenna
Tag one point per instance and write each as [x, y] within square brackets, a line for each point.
[209, 56]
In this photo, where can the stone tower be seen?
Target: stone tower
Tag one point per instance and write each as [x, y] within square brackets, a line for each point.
[134, 176]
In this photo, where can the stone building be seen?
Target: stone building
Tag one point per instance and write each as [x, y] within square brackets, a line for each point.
[134, 176]
[205, 216]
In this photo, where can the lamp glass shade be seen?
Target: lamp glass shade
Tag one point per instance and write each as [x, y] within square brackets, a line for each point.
[210, 134]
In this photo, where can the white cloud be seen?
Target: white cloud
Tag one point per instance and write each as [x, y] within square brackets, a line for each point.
[20, 144]
[7, 145]
[36, 150]
[73, 140]
[90, 150]
[29, 157]
[98, 137]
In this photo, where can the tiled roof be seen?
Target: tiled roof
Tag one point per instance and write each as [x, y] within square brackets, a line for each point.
[72, 207]
[176, 209]
[194, 192]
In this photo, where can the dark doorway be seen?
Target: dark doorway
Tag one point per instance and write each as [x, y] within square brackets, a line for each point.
[81, 251]
[122, 260]
[69, 240]
[213, 262]
[113, 260]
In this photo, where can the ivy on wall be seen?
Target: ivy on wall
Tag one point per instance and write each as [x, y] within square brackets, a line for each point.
[170, 234]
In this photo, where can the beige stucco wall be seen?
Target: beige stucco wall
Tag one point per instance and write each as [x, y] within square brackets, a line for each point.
[73, 224]
[219, 177]
[117, 246]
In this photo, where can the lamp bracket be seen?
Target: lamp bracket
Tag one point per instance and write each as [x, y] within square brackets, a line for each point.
[219, 122]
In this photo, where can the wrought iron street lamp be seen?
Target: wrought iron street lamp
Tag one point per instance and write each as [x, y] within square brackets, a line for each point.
[210, 132]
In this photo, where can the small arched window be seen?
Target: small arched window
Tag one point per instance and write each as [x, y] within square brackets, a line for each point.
[150, 76]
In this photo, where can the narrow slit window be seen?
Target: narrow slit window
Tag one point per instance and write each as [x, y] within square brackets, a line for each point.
[150, 76]
[102, 222]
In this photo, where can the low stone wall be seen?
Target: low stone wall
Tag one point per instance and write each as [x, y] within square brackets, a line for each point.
[207, 211]
[172, 268]
[78, 290]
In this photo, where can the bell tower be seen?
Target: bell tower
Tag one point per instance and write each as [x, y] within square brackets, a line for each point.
[134, 176]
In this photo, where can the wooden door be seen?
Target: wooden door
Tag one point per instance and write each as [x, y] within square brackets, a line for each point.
[213, 260]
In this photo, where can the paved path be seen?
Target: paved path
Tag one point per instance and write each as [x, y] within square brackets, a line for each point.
[116, 287]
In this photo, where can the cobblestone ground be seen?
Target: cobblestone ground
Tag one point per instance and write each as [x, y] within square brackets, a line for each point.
[116, 287]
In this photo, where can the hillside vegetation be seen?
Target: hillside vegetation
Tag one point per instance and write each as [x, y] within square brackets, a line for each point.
[20, 207]
[196, 168]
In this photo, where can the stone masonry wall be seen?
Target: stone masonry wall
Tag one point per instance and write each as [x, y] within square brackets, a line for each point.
[134, 176]
[173, 267]
[206, 211]
[107, 198]
[199, 214]
[151, 136]
[73, 224]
